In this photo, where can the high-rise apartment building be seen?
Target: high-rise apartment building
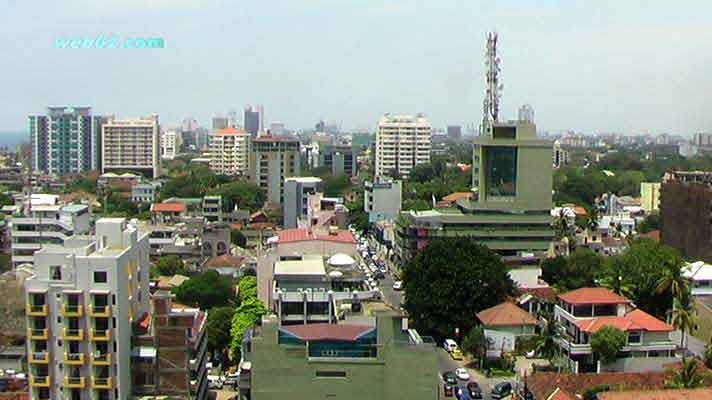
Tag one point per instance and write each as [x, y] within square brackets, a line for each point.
[65, 141]
[229, 151]
[454, 132]
[339, 158]
[221, 123]
[81, 306]
[685, 198]
[45, 222]
[402, 142]
[132, 145]
[170, 144]
[252, 120]
[272, 159]
[296, 198]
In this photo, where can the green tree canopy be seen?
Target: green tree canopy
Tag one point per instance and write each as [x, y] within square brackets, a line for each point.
[238, 238]
[247, 315]
[576, 272]
[170, 265]
[336, 185]
[451, 280]
[475, 342]
[607, 342]
[206, 290]
[218, 326]
[247, 287]
[243, 194]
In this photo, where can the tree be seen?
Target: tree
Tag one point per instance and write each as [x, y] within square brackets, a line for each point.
[336, 185]
[683, 319]
[688, 376]
[218, 326]
[708, 354]
[247, 315]
[238, 238]
[247, 287]
[12, 310]
[576, 272]
[553, 269]
[607, 342]
[207, 290]
[243, 194]
[170, 265]
[472, 276]
[475, 342]
[650, 223]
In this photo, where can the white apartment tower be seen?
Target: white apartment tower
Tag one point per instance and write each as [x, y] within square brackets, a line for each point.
[402, 142]
[132, 145]
[170, 144]
[45, 222]
[229, 151]
[81, 304]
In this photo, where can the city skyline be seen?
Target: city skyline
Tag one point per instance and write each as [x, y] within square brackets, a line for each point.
[608, 69]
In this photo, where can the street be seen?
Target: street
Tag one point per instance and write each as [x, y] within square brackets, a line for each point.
[446, 363]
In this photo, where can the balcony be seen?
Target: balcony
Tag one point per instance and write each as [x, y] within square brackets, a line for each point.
[75, 310]
[40, 357]
[39, 381]
[100, 311]
[74, 358]
[101, 359]
[73, 334]
[74, 383]
[37, 310]
[103, 335]
[100, 383]
[37, 334]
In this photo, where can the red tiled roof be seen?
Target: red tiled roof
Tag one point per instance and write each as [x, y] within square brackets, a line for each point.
[457, 195]
[593, 296]
[229, 131]
[168, 207]
[636, 320]
[300, 235]
[561, 394]
[543, 384]
[225, 261]
[668, 394]
[311, 332]
[654, 235]
[505, 314]
[543, 293]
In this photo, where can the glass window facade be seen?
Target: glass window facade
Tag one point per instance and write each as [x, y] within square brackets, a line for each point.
[501, 171]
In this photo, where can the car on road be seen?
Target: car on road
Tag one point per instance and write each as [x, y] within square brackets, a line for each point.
[398, 285]
[501, 390]
[456, 354]
[462, 394]
[450, 378]
[379, 275]
[475, 390]
[449, 345]
[462, 374]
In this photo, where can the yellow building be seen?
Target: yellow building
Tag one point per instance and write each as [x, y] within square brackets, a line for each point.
[650, 196]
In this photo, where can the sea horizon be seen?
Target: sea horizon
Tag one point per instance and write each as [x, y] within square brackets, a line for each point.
[11, 139]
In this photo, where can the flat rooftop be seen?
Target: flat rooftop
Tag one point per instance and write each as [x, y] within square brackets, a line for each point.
[308, 266]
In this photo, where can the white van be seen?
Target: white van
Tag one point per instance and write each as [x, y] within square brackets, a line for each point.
[449, 345]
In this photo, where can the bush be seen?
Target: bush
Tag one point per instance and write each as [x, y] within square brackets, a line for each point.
[207, 290]
[607, 342]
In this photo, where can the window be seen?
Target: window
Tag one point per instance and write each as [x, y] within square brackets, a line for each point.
[501, 167]
[331, 374]
[100, 277]
[634, 338]
[55, 272]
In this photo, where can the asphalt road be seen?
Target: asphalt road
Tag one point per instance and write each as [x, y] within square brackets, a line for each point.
[446, 363]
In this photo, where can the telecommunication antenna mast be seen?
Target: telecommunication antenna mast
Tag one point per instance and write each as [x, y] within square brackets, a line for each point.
[494, 87]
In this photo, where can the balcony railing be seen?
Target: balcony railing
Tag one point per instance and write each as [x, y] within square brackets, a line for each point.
[72, 310]
[38, 334]
[40, 357]
[39, 381]
[100, 334]
[100, 383]
[101, 359]
[74, 383]
[100, 311]
[74, 358]
[73, 334]
[37, 310]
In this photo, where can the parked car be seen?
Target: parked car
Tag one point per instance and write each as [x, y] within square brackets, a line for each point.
[475, 390]
[447, 389]
[462, 394]
[449, 345]
[398, 285]
[231, 379]
[501, 390]
[456, 354]
[462, 374]
[214, 382]
[450, 378]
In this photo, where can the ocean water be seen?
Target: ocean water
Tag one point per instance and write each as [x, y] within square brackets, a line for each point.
[12, 138]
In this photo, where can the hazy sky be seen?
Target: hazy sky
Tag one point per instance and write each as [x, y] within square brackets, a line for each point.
[632, 66]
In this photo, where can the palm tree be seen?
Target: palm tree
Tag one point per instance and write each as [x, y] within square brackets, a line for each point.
[683, 318]
[688, 376]
[673, 279]
[561, 225]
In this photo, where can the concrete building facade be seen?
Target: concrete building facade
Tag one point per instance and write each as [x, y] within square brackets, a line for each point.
[272, 160]
[170, 144]
[402, 142]
[81, 305]
[339, 158]
[650, 196]
[382, 199]
[229, 151]
[65, 141]
[296, 198]
[685, 198]
[132, 145]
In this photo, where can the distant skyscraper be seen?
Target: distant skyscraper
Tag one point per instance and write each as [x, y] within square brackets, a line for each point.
[454, 132]
[402, 142]
[133, 145]
[251, 120]
[526, 113]
[66, 140]
[189, 124]
[232, 119]
[276, 128]
[220, 123]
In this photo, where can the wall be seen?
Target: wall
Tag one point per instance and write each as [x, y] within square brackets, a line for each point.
[685, 225]
[639, 364]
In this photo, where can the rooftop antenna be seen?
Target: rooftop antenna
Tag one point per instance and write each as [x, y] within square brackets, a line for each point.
[494, 87]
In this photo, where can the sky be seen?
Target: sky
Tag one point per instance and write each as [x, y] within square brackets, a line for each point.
[633, 66]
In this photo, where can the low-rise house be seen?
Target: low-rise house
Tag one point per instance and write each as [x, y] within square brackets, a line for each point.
[295, 242]
[144, 192]
[380, 359]
[536, 299]
[508, 317]
[582, 312]
[660, 394]
[212, 208]
[226, 265]
[167, 212]
[699, 274]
